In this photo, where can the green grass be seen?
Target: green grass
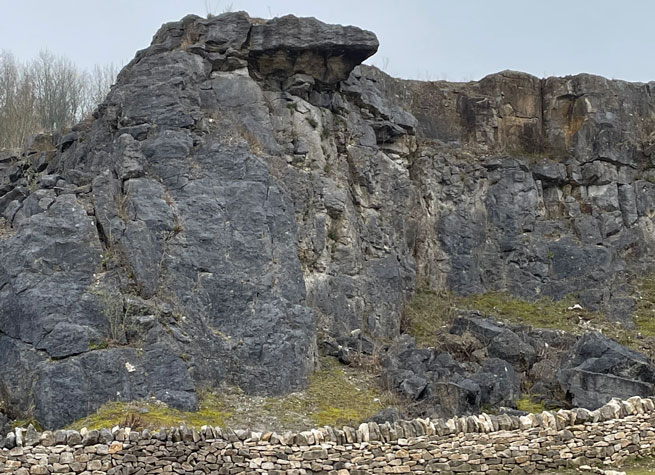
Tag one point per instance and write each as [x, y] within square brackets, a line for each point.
[101, 345]
[542, 313]
[24, 423]
[428, 314]
[645, 311]
[336, 396]
[154, 415]
[338, 400]
[432, 312]
[528, 404]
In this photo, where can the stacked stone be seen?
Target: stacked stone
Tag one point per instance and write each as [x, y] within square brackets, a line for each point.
[475, 444]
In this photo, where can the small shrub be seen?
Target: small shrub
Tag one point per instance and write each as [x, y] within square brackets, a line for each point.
[107, 257]
[118, 315]
[312, 122]
[98, 346]
[177, 229]
[5, 230]
[333, 235]
[133, 421]
[251, 139]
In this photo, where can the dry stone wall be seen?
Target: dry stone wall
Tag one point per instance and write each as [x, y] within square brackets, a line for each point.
[471, 444]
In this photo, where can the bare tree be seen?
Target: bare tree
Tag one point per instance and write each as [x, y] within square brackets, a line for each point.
[59, 89]
[99, 81]
[47, 95]
[18, 119]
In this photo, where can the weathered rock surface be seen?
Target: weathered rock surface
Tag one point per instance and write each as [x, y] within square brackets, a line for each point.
[444, 387]
[286, 46]
[486, 363]
[246, 186]
[598, 369]
[554, 208]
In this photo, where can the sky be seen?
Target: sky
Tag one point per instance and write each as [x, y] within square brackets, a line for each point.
[455, 40]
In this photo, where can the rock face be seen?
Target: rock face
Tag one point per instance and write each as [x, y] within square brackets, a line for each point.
[559, 204]
[468, 372]
[486, 363]
[597, 369]
[245, 187]
[286, 46]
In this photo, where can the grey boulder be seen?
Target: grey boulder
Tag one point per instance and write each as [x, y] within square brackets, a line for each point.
[597, 369]
[328, 53]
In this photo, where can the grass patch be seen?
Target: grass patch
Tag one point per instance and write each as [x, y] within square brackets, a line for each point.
[631, 466]
[430, 313]
[527, 403]
[336, 396]
[639, 466]
[336, 399]
[101, 345]
[24, 423]
[542, 313]
[645, 311]
[153, 415]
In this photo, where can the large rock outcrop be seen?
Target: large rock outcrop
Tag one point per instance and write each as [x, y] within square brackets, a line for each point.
[558, 199]
[597, 369]
[246, 188]
[483, 363]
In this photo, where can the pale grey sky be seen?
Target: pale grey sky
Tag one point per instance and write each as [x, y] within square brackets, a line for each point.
[421, 39]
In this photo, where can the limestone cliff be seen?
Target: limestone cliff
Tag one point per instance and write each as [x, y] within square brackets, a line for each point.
[246, 190]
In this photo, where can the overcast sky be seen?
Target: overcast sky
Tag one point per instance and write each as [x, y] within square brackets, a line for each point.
[421, 39]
